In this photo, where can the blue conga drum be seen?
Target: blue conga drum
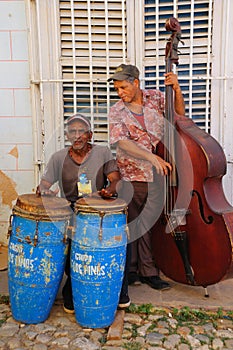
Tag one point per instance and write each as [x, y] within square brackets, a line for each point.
[98, 254]
[36, 255]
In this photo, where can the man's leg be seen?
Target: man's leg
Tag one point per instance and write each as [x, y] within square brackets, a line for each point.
[135, 207]
[67, 289]
[124, 300]
[148, 216]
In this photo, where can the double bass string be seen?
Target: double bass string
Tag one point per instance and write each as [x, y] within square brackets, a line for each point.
[171, 180]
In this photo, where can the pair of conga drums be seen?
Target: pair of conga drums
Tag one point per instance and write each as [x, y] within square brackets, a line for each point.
[38, 249]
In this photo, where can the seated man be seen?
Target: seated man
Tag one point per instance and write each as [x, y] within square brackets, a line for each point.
[71, 167]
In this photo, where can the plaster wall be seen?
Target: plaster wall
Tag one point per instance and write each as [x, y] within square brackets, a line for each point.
[16, 144]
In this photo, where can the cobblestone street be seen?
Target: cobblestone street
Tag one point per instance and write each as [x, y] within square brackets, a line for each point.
[181, 318]
[148, 328]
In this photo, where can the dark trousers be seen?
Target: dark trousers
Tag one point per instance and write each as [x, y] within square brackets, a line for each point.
[124, 288]
[145, 204]
[67, 289]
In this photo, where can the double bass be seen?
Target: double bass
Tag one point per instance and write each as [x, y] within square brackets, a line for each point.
[192, 239]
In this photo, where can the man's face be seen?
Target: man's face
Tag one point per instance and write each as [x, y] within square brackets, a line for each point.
[126, 90]
[78, 134]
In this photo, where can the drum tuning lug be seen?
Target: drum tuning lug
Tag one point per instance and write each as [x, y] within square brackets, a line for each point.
[9, 232]
[127, 231]
[101, 214]
[35, 240]
[70, 231]
[127, 227]
[100, 234]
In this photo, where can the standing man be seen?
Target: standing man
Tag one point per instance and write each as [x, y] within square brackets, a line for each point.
[136, 127]
[82, 162]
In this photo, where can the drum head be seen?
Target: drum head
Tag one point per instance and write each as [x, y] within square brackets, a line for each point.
[44, 207]
[97, 204]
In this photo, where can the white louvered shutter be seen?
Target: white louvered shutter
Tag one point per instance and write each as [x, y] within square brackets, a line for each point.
[194, 69]
[96, 36]
[93, 41]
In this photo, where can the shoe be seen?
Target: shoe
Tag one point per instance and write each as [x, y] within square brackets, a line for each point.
[133, 279]
[68, 308]
[155, 282]
[68, 311]
[68, 305]
[124, 301]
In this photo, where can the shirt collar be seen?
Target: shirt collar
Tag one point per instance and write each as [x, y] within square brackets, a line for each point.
[145, 96]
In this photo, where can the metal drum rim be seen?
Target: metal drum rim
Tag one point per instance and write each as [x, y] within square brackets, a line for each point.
[100, 206]
[48, 216]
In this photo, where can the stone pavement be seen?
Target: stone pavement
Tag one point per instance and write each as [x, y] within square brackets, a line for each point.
[160, 329]
[220, 295]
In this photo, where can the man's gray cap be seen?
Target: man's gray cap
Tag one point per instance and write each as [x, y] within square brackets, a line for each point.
[125, 71]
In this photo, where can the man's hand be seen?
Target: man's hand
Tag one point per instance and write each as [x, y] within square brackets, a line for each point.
[111, 190]
[107, 193]
[162, 167]
[46, 192]
[171, 79]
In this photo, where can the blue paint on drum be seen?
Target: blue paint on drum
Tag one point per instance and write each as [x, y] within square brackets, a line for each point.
[97, 267]
[35, 272]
